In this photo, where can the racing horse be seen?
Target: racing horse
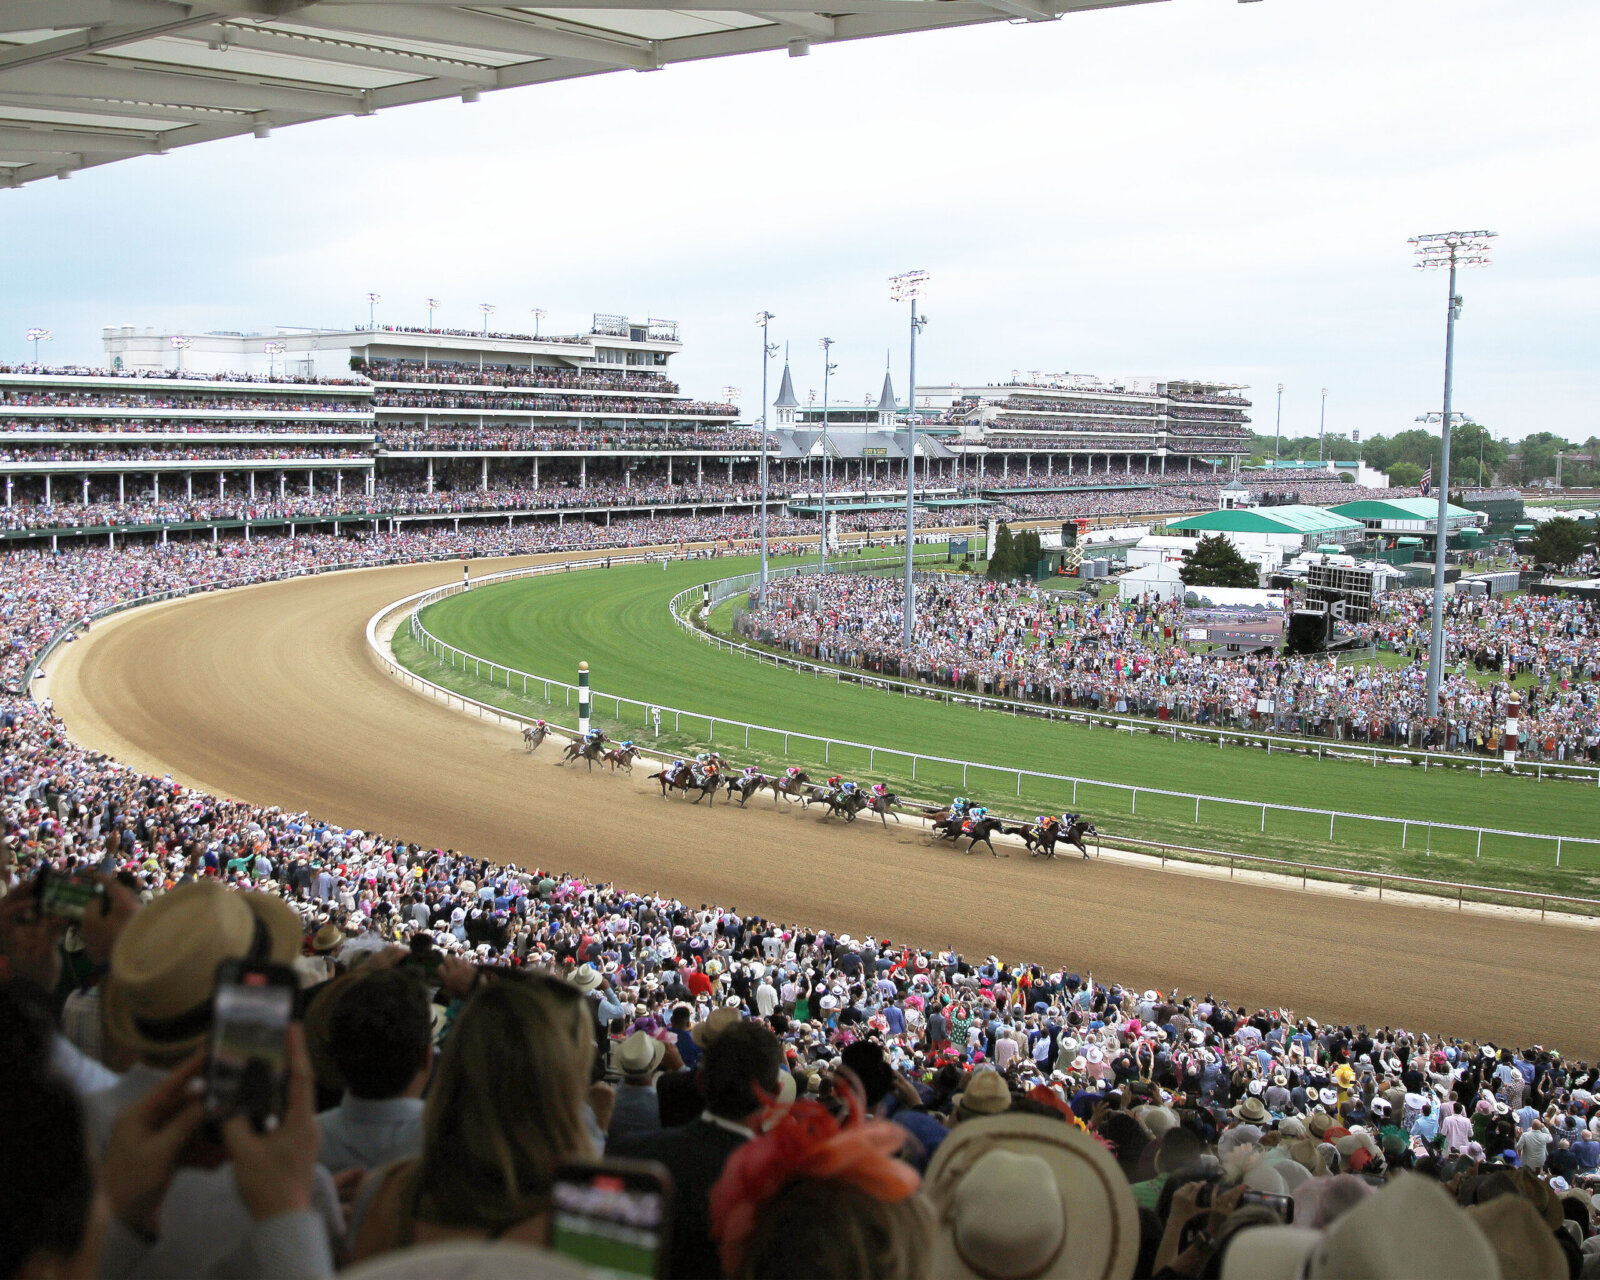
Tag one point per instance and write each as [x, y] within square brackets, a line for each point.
[1042, 840]
[588, 752]
[848, 803]
[533, 735]
[621, 757]
[785, 787]
[685, 779]
[884, 806]
[742, 786]
[978, 832]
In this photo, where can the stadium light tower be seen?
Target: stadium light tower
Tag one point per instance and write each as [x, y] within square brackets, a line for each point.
[373, 299]
[909, 286]
[1438, 250]
[1277, 432]
[273, 350]
[1322, 423]
[827, 368]
[768, 350]
[433, 305]
[488, 310]
[539, 313]
[36, 336]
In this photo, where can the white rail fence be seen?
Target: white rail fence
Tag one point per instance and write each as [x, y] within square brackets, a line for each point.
[635, 710]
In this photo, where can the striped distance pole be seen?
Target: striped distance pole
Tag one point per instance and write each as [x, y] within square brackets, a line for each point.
[583, 698]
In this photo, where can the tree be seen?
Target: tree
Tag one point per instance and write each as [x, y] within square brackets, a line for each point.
[1216, 562]
[1003, 554]
[1559, 541]
[1025, 553]
[1405, 475]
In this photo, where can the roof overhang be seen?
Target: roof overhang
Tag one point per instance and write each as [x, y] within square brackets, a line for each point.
[87, 82]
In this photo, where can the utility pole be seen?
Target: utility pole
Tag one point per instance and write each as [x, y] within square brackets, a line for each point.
[827, 368]
[908, 287]
[1451, 249]
[768, 350]
[1277, 433]
[1322, 423]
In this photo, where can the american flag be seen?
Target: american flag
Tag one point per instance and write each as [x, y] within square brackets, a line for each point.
[1427, 480]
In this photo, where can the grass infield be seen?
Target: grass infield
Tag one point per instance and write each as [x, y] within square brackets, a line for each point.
[617, 620]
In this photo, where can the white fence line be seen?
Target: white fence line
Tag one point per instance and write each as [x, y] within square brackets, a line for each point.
[444, 652]
[1298, 745]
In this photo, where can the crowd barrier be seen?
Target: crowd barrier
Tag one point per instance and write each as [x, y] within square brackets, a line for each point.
[644, 713]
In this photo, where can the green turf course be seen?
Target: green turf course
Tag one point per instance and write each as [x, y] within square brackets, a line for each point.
[617, 620]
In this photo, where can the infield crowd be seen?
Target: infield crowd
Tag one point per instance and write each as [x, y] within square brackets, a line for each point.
[1129, 657]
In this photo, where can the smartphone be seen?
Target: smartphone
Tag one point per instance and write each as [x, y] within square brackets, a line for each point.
[614, 1216]
[67, 897]
[248, 1071]
[1283, 1206]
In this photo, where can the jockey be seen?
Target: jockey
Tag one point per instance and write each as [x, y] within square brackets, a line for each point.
[751, 771]
[793, 771]
[849, 788]
[834, 782]
[626, 746]
[1046, 822]
[878, 789]
[538, 724]
[593, 738]
[1069, 819]
[706, 757]
[977, 813]
[958, 806]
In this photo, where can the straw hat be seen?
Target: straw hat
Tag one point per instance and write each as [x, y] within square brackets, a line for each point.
[1250, 1110]
[1022, 1196]
[585, 977]
[327, 939]
[640, 1054]
[703, 1033]
[987, 1094]
[164, 964]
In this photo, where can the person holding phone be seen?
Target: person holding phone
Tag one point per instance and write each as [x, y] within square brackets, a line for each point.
[193, 984]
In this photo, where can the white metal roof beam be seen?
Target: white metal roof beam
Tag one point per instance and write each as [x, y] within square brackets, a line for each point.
[124, 79]
[65, 15]
[1023, 9]
[165, 112]
[348, 53]
[94, 40]
[58, 142]
[469, 29]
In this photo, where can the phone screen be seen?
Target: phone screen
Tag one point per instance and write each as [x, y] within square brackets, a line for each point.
[67, 897]
[1283, 1206]
[613, 1219]
[248, 1072]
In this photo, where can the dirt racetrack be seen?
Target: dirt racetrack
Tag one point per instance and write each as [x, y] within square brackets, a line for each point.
[269, 694]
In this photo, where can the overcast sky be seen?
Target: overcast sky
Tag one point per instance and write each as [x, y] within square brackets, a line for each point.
[1195, 188]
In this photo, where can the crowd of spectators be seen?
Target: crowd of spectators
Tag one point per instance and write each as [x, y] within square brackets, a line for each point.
[1130, 658]
[14, 450]
[145, 401]
[24, 427]
[171, 375]
[471, 436]
[463, 373]
[1049, 404]
[592, 406]
[825, 1105]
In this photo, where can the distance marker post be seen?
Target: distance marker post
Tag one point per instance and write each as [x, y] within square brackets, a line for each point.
[583, 698]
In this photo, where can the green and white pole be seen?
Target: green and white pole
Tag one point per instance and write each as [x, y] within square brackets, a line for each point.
[583, 698]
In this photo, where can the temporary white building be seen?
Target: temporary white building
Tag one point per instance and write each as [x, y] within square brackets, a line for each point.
[1156, 581]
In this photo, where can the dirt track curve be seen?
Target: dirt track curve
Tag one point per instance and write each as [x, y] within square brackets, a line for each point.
[269, 694]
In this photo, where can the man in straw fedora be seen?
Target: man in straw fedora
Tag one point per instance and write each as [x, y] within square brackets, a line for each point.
[157, 1001]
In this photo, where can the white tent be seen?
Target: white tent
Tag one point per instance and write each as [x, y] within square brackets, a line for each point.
[1157, 581]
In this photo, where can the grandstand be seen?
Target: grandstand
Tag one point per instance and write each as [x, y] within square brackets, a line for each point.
[1071, 423]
